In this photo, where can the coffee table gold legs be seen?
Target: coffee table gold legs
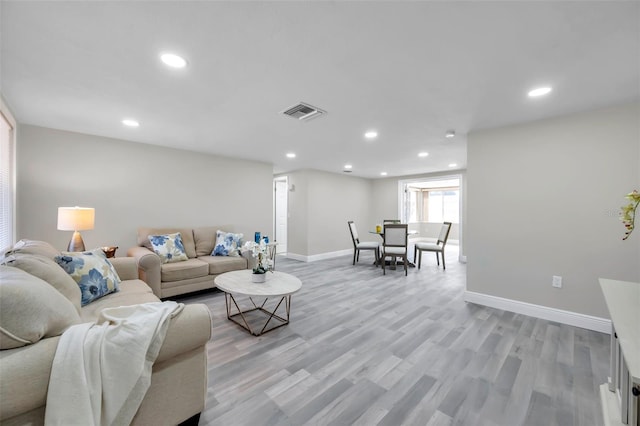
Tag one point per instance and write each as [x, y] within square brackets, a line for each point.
[230, 302]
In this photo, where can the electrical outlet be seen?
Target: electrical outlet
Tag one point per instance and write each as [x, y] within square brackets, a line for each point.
[556, 281]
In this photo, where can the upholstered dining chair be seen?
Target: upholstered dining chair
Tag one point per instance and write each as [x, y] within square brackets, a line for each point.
[390, 221]
[271, 253]
[394, 243]
[437, 247]
[362, 245]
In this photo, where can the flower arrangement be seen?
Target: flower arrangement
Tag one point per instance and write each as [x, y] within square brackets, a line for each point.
[260, 252]
[628, 212]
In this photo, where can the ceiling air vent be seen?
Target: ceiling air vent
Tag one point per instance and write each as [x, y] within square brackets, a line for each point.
[303, 112]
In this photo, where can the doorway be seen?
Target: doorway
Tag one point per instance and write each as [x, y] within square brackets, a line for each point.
[425, 203]
[280, 212]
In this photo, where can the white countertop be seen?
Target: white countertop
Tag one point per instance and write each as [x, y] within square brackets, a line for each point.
[623, 302]
[277, 284]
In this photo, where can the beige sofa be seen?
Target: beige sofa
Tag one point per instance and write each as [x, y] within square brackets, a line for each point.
[197, 273]
[179, 377]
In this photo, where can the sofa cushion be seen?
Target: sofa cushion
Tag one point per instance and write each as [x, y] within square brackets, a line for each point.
[192, 268]
[205, 238]
[227, 244]
[31, 309]
[132, 292]
[94, 274]
[41, 248]
[48, 270]
[185, 233]
[169, 247]
[222, 264]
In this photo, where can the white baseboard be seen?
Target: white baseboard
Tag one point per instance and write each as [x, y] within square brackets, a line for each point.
[321, 256]
[589, 322]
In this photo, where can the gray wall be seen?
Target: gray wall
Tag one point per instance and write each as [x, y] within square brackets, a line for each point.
[132, 185]
[543, 200]
[320, 207]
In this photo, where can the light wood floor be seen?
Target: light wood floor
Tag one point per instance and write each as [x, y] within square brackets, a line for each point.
[368, 349]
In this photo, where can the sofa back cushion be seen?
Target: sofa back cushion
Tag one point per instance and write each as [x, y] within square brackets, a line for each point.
[205, 238]
[47, 270]
[31, 309]
[185, 233]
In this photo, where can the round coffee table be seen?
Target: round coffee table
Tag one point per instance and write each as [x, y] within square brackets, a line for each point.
[277, 285]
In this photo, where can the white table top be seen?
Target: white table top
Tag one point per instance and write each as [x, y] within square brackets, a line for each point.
[623, 301]
[276, 284]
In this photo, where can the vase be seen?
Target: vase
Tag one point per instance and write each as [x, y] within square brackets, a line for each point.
[258, 278]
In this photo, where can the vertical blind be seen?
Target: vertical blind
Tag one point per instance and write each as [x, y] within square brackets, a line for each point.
[6, 183]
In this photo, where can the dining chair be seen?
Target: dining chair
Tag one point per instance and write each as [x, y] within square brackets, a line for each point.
[271, 253]
[437, 247]
[394, 243]
[390, 221]
[364, 245]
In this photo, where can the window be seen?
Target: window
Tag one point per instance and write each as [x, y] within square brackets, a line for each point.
[436, 200]
[7, 166]
[412, 204]
[443, 206]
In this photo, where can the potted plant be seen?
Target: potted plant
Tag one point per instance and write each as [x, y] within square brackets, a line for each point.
[628, 212]
[263, 263]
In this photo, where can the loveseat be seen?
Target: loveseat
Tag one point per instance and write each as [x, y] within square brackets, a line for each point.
[39, 300]
[195, 273]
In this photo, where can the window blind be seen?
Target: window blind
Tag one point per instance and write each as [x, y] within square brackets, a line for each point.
[6, 183]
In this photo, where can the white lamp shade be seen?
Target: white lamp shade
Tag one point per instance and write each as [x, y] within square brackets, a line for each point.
[76, 218]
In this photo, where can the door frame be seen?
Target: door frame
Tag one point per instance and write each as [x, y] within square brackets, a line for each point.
[284, 179]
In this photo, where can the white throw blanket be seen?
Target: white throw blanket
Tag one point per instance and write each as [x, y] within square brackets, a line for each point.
[102, 371]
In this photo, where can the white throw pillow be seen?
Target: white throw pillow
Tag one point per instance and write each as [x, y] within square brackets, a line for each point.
[31, 309]
[48, 270]
[169, 247]
[93, 272]
[227, 244]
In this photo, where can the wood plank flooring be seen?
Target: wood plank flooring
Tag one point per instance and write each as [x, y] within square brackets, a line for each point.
[368, 349]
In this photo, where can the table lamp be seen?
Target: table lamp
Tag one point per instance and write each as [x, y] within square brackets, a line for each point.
[76, 219]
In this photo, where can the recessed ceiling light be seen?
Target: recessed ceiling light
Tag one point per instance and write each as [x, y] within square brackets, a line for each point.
[450, 134]
[423, 154]
[383, 173]
[131, 123]
[173, 61]
[539, 91]
[291, 155]
[453, 165]
[371, 134]
[348, 166]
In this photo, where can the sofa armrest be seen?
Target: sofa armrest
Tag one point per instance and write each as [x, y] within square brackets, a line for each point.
[251, 261]
[148, 267]
[126, 267]
[24, 377]
[189, 330]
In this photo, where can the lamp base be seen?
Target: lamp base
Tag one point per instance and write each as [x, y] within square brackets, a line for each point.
[76, 243]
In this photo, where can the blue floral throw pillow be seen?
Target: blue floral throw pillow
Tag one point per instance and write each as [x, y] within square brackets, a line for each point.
[227, 244]
[169, 247]
[94, 274]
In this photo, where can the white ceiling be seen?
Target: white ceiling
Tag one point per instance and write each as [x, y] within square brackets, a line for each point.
[410, 70]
